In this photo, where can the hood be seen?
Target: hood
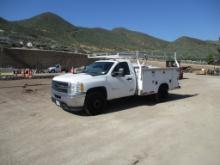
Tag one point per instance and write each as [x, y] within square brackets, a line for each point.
[50, 68]
[73, 78]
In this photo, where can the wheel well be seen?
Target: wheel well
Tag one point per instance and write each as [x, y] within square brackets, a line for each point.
[98, 89]
[164, 86]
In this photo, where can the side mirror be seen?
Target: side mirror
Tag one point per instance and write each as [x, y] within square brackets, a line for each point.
[118, 73]
[121, 72]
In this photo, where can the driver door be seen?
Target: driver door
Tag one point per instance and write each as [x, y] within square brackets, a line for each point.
[121, 85]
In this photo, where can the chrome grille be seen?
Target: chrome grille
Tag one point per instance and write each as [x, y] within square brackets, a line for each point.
[60, 86]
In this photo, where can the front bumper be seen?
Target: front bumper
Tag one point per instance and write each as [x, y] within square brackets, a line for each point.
[70, 102]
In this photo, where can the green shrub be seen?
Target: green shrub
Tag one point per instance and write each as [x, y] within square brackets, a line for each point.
[210, 59]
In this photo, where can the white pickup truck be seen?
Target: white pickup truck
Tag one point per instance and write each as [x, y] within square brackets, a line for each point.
[105, 80]
[55, 69]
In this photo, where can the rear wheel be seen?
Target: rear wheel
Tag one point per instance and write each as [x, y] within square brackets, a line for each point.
[94, 103]
[162, 94]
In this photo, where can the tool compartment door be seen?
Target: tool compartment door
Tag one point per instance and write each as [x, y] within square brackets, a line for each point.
[148, 78]
[175, 78]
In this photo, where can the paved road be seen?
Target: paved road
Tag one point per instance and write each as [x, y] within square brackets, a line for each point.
[183, 130]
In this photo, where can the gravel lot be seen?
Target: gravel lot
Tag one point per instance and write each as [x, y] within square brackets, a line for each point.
[185, 130]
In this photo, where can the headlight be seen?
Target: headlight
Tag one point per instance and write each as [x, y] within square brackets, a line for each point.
[71, 88]
[76, 88]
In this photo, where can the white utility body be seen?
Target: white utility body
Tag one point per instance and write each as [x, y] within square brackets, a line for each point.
[151, 78]
[111, 79]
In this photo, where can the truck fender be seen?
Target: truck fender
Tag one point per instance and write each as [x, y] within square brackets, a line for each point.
[162, 92]
[101, 89]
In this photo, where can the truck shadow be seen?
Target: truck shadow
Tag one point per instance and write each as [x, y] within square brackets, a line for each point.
[131, 102]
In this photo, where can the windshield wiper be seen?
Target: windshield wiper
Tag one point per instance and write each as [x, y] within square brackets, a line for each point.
[91, 73]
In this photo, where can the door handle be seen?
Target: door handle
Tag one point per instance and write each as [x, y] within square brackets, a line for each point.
[129, 79]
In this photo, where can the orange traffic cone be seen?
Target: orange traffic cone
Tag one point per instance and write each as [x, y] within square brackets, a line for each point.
[26, 73]
[30, 73]
[22, 73]
[72, 70]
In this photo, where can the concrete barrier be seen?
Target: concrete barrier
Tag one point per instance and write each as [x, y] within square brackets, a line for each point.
[41, 59]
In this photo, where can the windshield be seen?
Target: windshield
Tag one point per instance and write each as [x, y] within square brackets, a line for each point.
[98, 68]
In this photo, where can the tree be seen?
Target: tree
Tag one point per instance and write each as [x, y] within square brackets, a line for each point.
[218, 56]
[210, 59]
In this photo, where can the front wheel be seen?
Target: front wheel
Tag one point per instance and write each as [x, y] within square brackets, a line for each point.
[94, 103]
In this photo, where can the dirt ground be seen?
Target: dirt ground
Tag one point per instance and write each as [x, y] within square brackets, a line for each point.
[183, 130]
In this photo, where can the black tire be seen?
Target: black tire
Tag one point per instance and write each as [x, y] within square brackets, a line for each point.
[94, 103]
[162, 94]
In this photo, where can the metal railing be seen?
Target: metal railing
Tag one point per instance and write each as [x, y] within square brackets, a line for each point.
[150, 55]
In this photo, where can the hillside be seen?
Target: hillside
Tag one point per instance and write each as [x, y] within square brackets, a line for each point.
[50, 31]
[191, 48]
[48, 28]
[3, 21]
[141, 39]
[51, 26]
[116, 39]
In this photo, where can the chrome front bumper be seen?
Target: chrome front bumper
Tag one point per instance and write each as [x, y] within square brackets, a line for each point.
[71, 102]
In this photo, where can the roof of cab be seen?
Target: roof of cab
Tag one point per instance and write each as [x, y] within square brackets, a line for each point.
[113, 60]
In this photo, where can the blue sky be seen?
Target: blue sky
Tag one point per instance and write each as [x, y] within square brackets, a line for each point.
[165, 19]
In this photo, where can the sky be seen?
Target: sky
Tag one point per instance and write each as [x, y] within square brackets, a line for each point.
[165, 19]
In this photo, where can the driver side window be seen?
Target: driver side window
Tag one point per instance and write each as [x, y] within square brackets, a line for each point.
[123, 65]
